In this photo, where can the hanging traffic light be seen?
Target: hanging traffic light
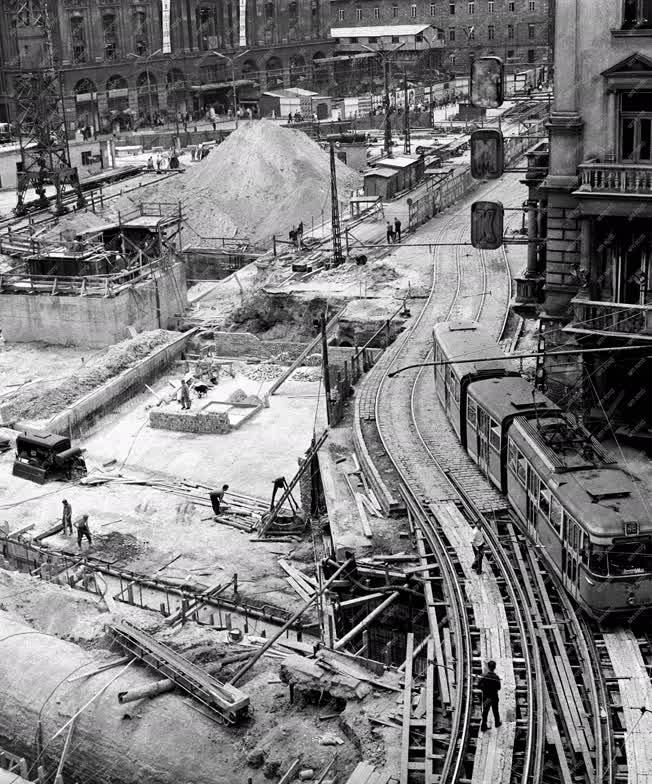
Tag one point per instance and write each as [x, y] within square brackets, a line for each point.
[487, 79]
[487, 155]
[487, 219]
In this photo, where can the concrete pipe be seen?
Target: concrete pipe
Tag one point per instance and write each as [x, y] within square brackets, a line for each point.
[167, 744]
[160, 687]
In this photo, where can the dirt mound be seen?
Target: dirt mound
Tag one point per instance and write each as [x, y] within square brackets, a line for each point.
[66, 228]
[41, 401]
[263, 180]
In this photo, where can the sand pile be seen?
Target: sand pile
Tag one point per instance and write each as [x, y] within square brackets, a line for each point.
[39, 401]
[263, 180]
[66, 228]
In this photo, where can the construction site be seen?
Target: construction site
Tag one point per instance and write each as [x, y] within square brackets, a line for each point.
[243, 537]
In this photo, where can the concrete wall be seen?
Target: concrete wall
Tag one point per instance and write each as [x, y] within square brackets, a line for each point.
[94, 321]
[76, 420]
[203, 264]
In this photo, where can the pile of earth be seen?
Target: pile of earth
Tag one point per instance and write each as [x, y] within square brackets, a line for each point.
[38, 401]
[263, 180]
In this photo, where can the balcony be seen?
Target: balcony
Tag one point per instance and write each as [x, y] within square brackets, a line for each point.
[613, 319]
[609, 179]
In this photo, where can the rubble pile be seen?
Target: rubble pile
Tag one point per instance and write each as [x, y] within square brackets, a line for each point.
[41, 401]
[263, 180]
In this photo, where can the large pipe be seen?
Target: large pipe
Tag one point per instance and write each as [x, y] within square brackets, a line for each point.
[367, 620]
[142, 693]
[170, 743]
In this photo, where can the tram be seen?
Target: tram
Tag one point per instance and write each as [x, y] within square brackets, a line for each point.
[577, 504]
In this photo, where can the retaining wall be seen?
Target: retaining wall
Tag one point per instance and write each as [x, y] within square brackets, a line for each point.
[95, 321]
[190, 422]
[203, 264]
[78, 418]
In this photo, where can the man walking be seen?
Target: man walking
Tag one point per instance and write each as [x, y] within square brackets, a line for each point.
[217, 499]
[490, 686]
[390, 233]
[83, 531]
[397, 229]
[66, 518]
[478, 545]
[184, 395]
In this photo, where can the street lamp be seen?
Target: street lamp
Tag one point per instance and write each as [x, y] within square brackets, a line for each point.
[145, 58]
[231, 61]
[385, 54]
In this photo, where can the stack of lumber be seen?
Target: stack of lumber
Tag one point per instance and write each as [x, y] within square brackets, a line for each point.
[365, 773]
[303, 585]
[364, 497]
[240, 510]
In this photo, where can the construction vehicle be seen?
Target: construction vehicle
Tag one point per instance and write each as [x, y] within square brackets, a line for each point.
[41, 457]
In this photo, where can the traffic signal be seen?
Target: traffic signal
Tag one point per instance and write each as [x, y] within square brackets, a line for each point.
[487, 219]
[487, 155]
[487, 78]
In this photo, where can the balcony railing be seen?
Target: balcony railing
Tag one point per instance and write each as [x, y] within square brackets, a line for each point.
[621, 317]
[633, 179]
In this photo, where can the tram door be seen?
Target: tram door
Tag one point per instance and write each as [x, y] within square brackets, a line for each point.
[483, 440]
[532, 498]
[571, 547]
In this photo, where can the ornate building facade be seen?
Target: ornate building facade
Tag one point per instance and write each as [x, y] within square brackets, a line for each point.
[155, 57]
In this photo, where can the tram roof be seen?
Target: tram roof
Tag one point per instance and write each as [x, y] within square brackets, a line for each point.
[468, 340]
[510, 396]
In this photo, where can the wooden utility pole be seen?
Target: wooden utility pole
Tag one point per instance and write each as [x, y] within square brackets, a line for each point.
[406, 121]
[325, 367]
[338, 257]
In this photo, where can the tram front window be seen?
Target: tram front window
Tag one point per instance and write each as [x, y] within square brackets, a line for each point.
[630, 556]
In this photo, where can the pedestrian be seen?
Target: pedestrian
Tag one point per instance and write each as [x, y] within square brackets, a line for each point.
[300, 233]
[184, 395]
[66, 518]
[158, 163]
[390, 233]
[250, 114]
[217, 498]
[293, 237]
[478, 545]
[150, 164]
[397, 229]
[83, 530]
[490, 686]
[289, 118]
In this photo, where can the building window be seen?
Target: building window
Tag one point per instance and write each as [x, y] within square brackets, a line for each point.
[510, 5]
[432, 9]
[530, 31]
[376, 13]
[491, 32]
[340, 15]
[395, 39]
[451, 8]
[269, 10]
[358, 14]
[353, 40]
[636, 126]
[510, 54]
[453, 58]
[140, 32]
[110, 33]
[207, 27]
[78, 38]
[637, 14]
[532, 6]
[413, 11]
[293, 12]
[531, 55]
[471, 34]
[472, 6]
[490, 6]
[510, 32]
[373, 40]
[394, 10]
[451, 34]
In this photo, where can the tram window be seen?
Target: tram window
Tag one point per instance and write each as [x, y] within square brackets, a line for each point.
[512, 455]
[544, 500]
[494, 435]
[555, 513]
[533, 483]
[456, 390]
[472, 412]
[630, 557]
[521, 469]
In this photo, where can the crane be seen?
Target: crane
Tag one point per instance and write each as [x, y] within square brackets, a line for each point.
[39, 113]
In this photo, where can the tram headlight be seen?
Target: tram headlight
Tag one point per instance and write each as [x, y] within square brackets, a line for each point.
[630, 598]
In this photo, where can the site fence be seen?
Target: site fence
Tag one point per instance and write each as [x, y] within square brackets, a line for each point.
[449, 190]
[343, 378]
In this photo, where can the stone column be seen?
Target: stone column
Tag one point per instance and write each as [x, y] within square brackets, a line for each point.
[586, 272]
[542, 231]
[611, 136]
[532, 225]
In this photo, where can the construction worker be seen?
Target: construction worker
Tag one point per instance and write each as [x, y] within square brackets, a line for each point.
[217, 499]
[150, 164]
[490, 686]
[66, 517]
[397, 229]
[83, 530]
[184, 395]
[478, 545]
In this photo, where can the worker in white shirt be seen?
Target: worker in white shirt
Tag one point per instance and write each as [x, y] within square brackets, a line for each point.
[478, 545]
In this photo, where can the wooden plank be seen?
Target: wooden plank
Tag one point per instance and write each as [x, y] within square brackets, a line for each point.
[361, 773]
[407, 710]
[573, 722]
[295, 587]
[366, 528]
[430, 708]
[555, 739]
[448, 650]
[288, 776]
[361, 599]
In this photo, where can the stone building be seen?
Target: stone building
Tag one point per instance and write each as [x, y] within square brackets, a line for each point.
[443, 35]
[124, 59]
[598, 193]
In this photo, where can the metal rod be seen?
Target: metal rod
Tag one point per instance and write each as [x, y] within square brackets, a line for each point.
[568, 352]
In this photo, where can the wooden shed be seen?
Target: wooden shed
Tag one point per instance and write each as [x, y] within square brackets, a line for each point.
[381, 182]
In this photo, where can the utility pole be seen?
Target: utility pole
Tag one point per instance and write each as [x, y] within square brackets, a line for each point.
[338, 257]
[325, 368]
[406, 122]
[385, 54]
[231, 61]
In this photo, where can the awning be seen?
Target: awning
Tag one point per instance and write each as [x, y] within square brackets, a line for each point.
[204, 88]
[341, 57]
[378, 31]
